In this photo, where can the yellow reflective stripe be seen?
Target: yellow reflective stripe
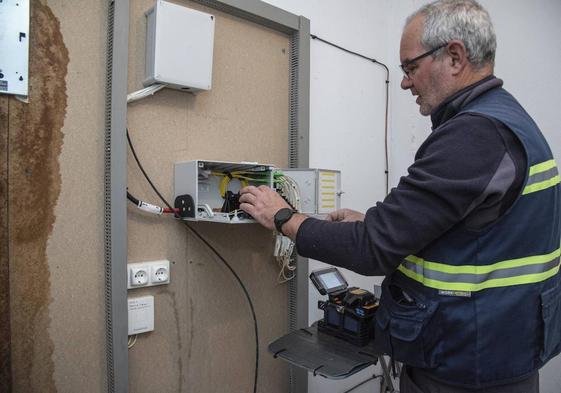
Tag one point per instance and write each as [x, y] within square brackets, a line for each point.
[494, 283]
[484, 269]
[541, 167]
[541, 185]
[537, 182]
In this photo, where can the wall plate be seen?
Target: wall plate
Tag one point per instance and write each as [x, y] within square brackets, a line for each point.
[14, 47]
[141, 314]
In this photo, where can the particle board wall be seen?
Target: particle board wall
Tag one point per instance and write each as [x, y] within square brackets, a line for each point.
[204, 338]
[53, 215]
[52, 212]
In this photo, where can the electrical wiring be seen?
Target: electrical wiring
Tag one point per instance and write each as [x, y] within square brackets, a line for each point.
[243, 177]
[387, 164]
[131, 341]
[143, 171]
[226, 180]
[284, 247]
[217, 254]
[148, 207]
[147, 91]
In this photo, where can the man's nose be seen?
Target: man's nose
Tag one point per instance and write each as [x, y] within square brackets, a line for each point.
[406, 83]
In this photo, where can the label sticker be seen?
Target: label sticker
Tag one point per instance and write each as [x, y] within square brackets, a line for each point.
[454, 293]
[3, 85]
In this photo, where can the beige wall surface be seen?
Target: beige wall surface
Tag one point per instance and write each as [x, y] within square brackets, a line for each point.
[52, 217]
[54, 203]
[203, 339]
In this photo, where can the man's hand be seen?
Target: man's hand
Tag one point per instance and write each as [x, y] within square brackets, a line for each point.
[345, 215]
[262, 203]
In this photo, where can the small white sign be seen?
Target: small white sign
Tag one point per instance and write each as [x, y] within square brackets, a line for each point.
[14, 47]
[141, 314]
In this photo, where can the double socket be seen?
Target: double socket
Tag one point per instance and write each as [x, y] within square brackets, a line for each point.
[146, 274]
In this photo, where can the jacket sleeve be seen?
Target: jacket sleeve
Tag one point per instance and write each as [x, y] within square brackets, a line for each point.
[447, 180]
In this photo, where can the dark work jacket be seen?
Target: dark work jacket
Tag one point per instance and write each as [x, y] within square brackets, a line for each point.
[482, 307]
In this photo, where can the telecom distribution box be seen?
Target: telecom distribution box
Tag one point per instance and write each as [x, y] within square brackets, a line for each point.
[208, 190]
[320, 189]
[179, 47]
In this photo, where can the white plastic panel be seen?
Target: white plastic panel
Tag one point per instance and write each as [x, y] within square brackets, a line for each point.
[320, 189]
[329, 191]
[179, 47]
[14, 47]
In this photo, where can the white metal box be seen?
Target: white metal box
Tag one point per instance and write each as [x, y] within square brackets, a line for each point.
[179, 47]
[206, 181]
[14, 47]
[320, 189]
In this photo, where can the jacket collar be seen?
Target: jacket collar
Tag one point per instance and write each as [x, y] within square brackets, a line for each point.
[453, 104]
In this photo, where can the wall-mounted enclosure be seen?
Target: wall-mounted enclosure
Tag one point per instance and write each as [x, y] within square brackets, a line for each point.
[209, 190]
[179, 47]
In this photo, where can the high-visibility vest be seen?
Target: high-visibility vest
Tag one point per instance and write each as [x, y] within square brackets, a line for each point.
[479, 308]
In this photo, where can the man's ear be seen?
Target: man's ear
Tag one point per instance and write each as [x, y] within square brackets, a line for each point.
[458, 55]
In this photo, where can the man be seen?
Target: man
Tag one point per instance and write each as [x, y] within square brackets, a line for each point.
[469, 241]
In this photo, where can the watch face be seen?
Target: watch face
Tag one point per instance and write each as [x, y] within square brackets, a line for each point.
[283, 214]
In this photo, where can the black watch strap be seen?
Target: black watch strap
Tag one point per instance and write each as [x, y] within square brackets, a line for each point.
[281, 217]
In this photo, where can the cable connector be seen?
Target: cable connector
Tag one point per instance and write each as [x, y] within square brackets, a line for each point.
[148, 207]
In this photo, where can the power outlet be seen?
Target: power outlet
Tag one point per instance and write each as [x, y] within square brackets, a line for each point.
[147, 274]
[159, 272]
[138, 276]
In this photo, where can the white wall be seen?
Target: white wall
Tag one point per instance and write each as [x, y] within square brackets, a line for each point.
[528, 52]
[346, 117]
[347, 103]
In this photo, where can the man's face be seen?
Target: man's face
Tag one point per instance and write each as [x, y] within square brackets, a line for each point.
[427, 76]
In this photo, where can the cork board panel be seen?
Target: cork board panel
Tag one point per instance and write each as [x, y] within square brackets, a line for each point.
[55, 207]
[204, 339]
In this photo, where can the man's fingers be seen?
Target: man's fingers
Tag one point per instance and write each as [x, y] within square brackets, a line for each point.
[249, 190]
[248, 208]
[248, 198]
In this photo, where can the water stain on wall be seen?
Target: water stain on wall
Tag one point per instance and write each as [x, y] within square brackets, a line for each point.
[35, 142]
[5, 350]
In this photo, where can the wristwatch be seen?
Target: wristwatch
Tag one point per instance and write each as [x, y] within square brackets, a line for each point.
[281, 217]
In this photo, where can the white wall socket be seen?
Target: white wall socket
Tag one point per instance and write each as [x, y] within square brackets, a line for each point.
[139, 276]
[146, 274]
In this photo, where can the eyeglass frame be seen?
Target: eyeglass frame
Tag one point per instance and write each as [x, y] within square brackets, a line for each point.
[407, 63]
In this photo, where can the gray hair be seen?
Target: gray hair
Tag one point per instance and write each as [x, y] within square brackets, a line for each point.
[464, 20]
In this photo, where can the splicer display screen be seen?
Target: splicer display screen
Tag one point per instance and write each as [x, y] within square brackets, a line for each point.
[330, 280]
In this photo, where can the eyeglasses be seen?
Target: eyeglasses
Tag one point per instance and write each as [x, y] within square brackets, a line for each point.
[405, 66]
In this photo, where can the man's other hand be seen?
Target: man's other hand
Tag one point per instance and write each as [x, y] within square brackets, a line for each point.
[262, 203]
[345, 215]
